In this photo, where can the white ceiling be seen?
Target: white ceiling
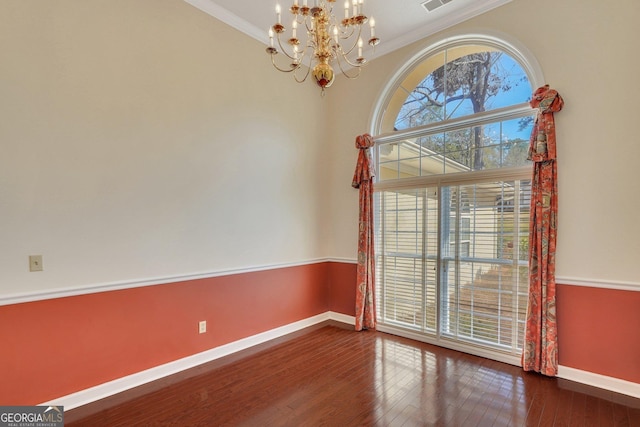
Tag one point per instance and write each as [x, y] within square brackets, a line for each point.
[398, 22]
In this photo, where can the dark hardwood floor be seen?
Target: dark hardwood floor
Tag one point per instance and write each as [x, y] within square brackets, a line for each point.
[331, 376]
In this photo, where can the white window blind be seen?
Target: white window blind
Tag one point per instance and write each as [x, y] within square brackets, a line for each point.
[452, 261]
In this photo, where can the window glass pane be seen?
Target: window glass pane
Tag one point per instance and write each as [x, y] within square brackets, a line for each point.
[488, 146]
[481, 271]
[413, 104]
[401, 242]
[406, 258]
[515, 141]
[462, 81]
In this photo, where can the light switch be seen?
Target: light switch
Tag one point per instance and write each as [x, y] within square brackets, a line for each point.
[35, 262]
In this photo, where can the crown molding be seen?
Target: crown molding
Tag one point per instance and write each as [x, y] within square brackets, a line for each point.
[448, 21]
[474, 9]
[210, 7]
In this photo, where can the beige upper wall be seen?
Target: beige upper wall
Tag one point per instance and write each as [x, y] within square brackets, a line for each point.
[585, 50]
[133, 148]
[144, 139]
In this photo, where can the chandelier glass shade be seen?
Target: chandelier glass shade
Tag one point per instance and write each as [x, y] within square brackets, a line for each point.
[319, 39]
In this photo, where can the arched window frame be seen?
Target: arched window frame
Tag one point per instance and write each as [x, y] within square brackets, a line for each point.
[441, 181]
[495, 40]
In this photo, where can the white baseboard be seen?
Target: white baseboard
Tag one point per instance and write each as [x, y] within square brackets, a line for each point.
[601, 381]
[111, 388]
[342, 318]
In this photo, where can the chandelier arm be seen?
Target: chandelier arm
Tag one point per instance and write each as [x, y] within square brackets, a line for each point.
[360, 62]
[295, 76]
[301, 53]
[355, 43]
[346, 32]
[306, 25]
[301, 58]
[354, 76]
[353, 64]
[284, 70]
[344, 73]
[283, 50]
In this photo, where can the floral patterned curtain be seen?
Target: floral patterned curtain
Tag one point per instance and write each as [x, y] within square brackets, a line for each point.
[363, 180]
[540, 351]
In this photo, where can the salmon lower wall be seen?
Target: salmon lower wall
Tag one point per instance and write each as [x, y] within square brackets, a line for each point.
[55, 347]
[52, 348]
[342, 292]
[598, 331]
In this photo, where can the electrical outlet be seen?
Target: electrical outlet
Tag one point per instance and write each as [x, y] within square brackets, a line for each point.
[202, 326]
[35, 262]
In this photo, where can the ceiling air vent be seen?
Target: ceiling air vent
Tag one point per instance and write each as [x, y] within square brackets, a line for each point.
[434, 4]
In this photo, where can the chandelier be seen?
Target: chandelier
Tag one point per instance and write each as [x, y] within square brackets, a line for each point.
[327, 40]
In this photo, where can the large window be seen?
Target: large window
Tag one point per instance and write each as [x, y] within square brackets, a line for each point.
[452, 199]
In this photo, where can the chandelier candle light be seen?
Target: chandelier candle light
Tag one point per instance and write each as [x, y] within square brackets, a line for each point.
[328, 39]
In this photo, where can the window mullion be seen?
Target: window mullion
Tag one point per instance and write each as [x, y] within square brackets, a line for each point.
[456, 253]
[383, 258]
[443, 309]
[516, 258]
[423, 259]
[486, 117]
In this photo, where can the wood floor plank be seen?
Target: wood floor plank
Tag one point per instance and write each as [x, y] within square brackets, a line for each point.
[605, 412]
[550, 400]
[332, 376]
[578, 410]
